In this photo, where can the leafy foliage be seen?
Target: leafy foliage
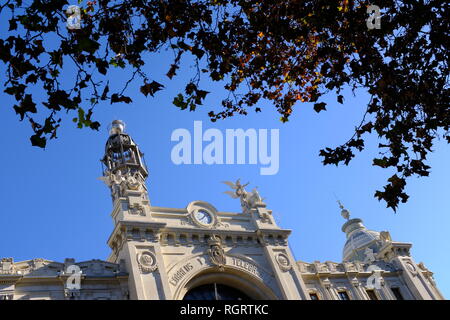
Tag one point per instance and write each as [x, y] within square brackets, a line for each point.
[283, 51]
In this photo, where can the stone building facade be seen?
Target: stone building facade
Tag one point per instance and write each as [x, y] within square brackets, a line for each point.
[199, 252]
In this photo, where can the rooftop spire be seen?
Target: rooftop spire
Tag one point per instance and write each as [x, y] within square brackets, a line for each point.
[344, 212]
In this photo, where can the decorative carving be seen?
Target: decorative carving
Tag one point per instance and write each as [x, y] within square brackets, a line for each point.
[254, 198]
[133, 182]
[332, 266]
[137, 209]
[385, 237]
[321, 267]
[216, 252]
[118, 182]
[369, 256]
[350, 267]
[147, 261]
[264, 216]
[283, 262]
[222, 224]
[7, 266]
[355, 282]
[411, 268]
[38, 263]
[111, 179]
[326, 283]
[422, 267]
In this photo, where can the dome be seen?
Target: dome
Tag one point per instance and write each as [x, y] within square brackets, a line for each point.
[359, 238]
[117, 127]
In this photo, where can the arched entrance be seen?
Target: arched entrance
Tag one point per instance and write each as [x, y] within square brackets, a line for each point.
[212, 284]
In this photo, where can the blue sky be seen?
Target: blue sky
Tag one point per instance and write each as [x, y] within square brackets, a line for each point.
[54, 207]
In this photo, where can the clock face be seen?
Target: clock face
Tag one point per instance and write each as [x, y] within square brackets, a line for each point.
[203, 217]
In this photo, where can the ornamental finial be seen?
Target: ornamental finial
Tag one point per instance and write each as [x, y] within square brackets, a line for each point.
[117, 126]
[344, 212]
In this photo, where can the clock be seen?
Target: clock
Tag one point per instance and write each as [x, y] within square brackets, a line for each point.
[202, 214]
[203, 217]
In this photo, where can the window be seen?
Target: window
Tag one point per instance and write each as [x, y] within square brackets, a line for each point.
[215, 291]
[343, 295]
[313, 296]
[372, 295]
[397, 293]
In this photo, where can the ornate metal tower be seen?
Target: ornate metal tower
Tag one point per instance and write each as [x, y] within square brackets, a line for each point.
[125, 172]
[123, 164]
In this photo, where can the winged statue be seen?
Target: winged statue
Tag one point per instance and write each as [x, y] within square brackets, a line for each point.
[238, 187]
[248, 199]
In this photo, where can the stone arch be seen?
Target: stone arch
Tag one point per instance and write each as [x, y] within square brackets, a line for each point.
[197, 271]
[253, 288]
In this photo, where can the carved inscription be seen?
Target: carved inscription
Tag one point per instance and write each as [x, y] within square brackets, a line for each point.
[250, 267]
[190, 268]
[181, 273]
